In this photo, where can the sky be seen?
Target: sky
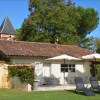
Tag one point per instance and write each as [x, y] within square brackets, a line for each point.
[17, 10]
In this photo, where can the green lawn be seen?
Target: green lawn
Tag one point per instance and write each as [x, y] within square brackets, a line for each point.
[47, 95]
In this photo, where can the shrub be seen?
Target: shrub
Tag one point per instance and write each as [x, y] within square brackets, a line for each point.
[98, 71]
[24, 73]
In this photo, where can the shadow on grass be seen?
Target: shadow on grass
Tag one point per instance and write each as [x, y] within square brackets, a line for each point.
[82, 93]
[73, 91]
[96, 92]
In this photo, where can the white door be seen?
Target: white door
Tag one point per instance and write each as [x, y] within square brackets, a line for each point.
[39, 72]
[46, 70]
[38, 69]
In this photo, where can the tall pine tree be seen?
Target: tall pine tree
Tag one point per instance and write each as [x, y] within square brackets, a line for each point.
[56, 19]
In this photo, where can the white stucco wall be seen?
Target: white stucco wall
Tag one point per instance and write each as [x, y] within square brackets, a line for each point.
[26, 60]
[82, 69]
[38, 62]
[43, 67]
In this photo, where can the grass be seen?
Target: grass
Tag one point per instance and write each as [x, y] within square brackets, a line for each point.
[6, 94]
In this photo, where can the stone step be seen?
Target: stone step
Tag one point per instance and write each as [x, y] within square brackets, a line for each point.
[47, 88]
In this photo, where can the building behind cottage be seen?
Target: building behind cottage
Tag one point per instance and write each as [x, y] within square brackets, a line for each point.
[7, 31]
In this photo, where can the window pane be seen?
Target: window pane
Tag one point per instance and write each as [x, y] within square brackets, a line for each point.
[66, 65]
[69, 65]
[62, 69]
[73, 65]
[66, 69]
[62, 65]
[73, 70]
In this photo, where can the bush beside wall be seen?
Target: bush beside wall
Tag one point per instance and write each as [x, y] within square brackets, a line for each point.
[24, 73]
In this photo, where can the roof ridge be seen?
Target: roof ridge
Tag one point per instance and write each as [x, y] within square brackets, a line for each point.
[68, 45]
[25, 41]
[39, 43]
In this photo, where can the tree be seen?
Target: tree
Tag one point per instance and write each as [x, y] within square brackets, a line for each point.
[33, 4]
[69, 3]
[87, 42]
[18, 35]
[97, 43]
[88, 22]
[47, 22]
[53, 19]
[97, 49]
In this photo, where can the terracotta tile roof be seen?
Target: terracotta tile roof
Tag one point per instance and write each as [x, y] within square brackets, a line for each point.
[36, 49]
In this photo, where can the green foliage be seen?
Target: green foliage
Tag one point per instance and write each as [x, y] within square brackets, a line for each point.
[98, 48]
[87, 43]
[98, 71]
[54, 19]
[97, 42]
[25, 74]
[88, 22]
[69, 2]
[33, 4]
[18, 36]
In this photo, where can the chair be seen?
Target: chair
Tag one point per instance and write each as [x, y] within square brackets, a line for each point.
[94, 83]
[81, 88]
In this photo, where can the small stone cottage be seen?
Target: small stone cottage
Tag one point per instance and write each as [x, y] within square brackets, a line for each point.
[47, 72]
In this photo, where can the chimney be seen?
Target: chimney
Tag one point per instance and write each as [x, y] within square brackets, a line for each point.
[56, 43]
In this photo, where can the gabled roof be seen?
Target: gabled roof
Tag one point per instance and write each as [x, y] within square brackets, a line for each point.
[36, 49]
[7, 27]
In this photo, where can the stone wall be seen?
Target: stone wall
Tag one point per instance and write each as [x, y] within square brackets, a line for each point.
[13, 83]
[4, 81]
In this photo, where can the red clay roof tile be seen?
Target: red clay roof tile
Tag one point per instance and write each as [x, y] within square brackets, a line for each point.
[36, 49]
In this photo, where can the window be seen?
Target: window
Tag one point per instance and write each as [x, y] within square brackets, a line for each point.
[67, 67]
